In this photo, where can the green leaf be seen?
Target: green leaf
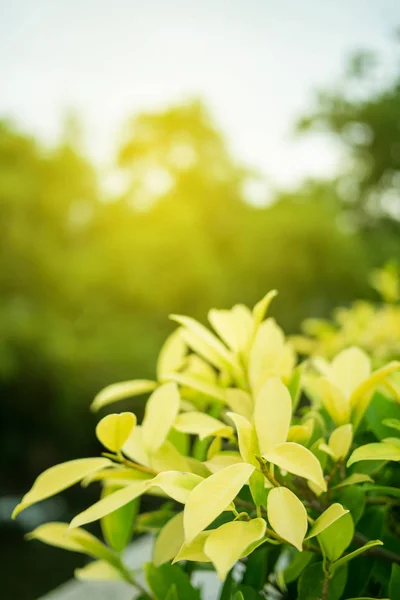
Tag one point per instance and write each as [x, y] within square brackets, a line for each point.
[200, 385]
[122, 390]
[392, 423]
[257, 568]
[383, 490]
[394, 585]
[258, 490]
[238, 596]
[117, 527]
[378, 451]
[58, 478]
[381, 409]
[355, 553]
[353, 498]
[227, 588]
[173, 593]
[297, 566]
[311, 583]
[335, 539]
[161, 579]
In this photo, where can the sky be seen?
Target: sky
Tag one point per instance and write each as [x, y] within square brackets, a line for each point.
[256, 64]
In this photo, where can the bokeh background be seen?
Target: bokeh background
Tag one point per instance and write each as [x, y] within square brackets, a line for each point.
[167, 156]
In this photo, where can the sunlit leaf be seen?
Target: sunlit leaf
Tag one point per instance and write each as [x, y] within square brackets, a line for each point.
[298, 460]
[161, 411]
[202, 425]
[287, 516]
[99, 570]
[172, 355]
[247, 439]
[261, 308]
[329, 516]
[169, 540]
[272, 414]
[110, 503]
[334, 401]
[167, 458]
[376, 451]
[340, 441]
[200, 385]
[58, 478]
[134, 447]
[77, 540]
[176, 484]
[221, 460]
[226, 544]
[122, 390]
[349, 369]
[211, 497]
[240, 402]
[194, 550]
[234, 326]
[113, 430]
[265, 352]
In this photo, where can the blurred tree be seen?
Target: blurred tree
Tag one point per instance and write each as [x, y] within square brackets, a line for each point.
[362, 111]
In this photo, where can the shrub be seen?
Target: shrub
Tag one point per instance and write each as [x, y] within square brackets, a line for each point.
[257, 459]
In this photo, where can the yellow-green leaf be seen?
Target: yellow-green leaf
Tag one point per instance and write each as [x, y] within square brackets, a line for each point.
[335, 538]
[261, 308]
[298, 460]
[225, 545]
[78, 540]
[168, 458]
[169, 541]
[353, 479]
[287, 516]
[265, 353]
[200, 385]
[272, 414]
[211, 497]
[377, 451]
[329, 516]
[247, 439]
[175, 484]
[333, 400]
[194, 550]
[117, 527]
[349, 368]
[161, 411]
[234, 326]
[110, 503]
[134, 447]
[172, 355]
[58, 478]
[221, 460]
[340, 441]
[113, 430]
[99, 570]
[240, 402]
[202, 425]
[119, 391]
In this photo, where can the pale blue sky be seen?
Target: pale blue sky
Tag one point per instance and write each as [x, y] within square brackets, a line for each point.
[255, 62]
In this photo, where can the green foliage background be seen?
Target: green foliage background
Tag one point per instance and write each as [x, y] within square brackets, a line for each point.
[87, 277]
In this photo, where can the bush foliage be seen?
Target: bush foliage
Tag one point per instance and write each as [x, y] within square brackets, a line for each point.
[277, 473]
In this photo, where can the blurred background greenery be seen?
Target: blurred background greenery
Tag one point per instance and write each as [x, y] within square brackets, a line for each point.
[90, 271]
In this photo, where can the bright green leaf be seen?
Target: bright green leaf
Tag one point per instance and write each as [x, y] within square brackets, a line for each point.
[329, 516]
[122, 390]
[376, 451]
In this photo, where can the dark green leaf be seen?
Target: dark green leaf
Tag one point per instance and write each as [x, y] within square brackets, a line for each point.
[311, 583]
[381, 408]
[160, 579]
[394, 585]
[226, 591]
[353, 498]
[257, 568]
[297, 565]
